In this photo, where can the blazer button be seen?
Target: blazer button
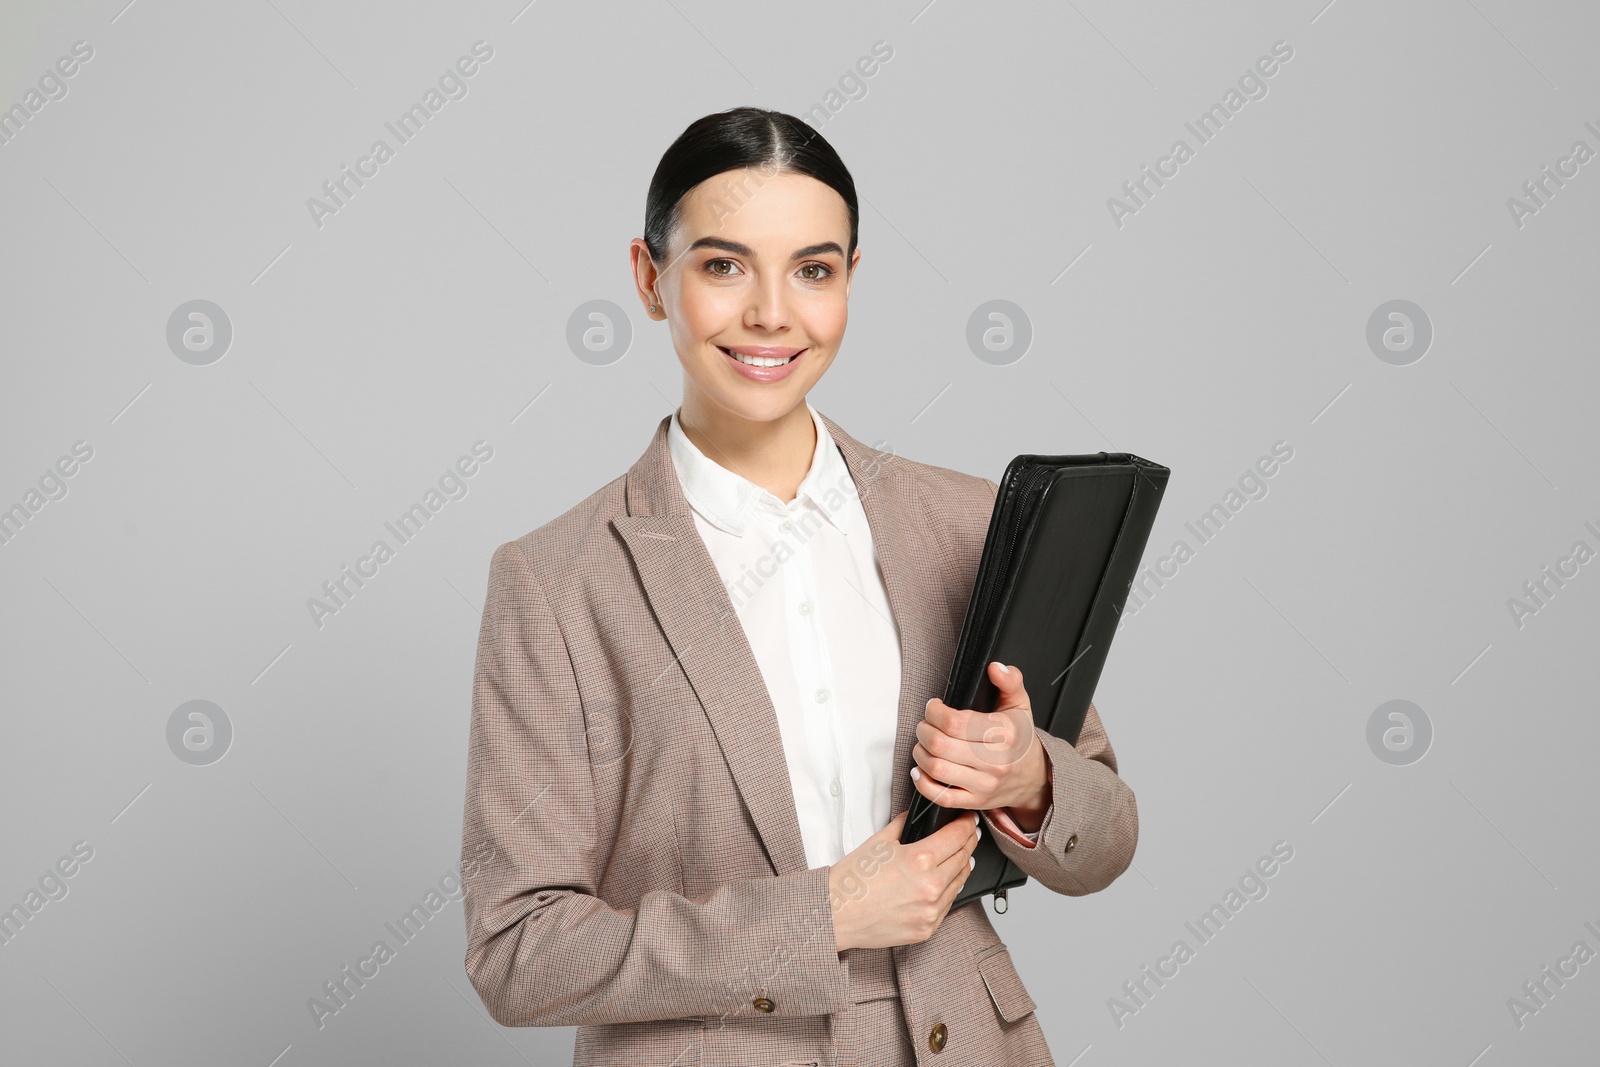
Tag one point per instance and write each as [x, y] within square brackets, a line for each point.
[763, 1004]
[936, 1037]
[1072, 842]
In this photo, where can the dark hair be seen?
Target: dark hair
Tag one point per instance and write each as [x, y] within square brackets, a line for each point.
[732, 139]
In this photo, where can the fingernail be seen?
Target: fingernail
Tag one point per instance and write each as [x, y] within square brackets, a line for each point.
[972, 862]
[916, 772]
[980, 832]
[1003, 668]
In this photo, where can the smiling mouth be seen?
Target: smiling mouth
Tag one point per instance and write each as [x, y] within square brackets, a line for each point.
[754, 360]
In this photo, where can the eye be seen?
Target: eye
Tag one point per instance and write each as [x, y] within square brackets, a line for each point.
[711, 267]
[826, 271]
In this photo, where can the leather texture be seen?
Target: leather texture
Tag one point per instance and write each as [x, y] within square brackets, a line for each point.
[631, 854]
[1064, 539]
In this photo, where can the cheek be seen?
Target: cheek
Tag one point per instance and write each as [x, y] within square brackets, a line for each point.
[825, 321]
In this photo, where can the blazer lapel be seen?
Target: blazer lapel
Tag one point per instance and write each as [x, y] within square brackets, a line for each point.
[695, 613]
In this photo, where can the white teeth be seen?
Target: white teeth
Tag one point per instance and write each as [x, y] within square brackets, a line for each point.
[759, 361]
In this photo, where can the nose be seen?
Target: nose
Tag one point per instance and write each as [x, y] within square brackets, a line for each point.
[769, 305]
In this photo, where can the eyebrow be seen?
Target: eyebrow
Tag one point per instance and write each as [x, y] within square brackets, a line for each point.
[745, 250]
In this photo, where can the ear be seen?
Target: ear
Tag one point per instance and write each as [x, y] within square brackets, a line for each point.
[850, 271]
[645, 277]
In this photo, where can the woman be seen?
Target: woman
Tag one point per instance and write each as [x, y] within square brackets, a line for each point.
[700, 693]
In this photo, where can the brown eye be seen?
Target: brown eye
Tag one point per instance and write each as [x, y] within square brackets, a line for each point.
[711, 266]
[826, 270]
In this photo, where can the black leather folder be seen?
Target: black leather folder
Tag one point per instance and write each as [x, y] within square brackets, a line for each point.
[1064, 541]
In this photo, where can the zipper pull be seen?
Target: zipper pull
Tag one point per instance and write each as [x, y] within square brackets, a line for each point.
[1000, 904]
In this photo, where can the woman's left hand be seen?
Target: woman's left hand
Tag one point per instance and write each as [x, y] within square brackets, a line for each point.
[975, 759]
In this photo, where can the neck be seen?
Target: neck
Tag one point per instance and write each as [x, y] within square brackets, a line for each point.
[774, 454]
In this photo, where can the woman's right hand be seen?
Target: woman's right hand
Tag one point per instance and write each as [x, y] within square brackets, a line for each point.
[885, 893]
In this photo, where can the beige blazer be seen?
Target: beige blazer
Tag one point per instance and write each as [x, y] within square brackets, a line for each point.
[631, 854]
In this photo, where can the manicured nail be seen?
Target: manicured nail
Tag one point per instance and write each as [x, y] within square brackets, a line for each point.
[916, 772]
[972, 862]
[1003, 668]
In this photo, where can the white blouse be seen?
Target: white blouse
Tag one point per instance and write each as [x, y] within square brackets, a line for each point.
[804, 580]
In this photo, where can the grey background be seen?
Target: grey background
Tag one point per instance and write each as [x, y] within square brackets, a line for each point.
[1228, 314]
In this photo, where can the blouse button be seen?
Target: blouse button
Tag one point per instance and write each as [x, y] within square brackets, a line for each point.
[805, 607]
[937, 1036]
[1072, 842]
[822, 695]
[763, 1004]
[833, 787]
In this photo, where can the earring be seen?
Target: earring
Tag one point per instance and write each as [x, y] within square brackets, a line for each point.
[652, 307]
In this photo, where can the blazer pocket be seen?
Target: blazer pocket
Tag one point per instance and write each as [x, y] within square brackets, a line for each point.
[1005, 986]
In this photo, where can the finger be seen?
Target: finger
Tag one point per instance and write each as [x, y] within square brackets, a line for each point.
[954, 836]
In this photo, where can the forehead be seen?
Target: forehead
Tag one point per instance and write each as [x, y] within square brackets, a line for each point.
[754, 208]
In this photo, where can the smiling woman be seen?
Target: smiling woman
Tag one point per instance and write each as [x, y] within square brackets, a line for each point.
[761, 609]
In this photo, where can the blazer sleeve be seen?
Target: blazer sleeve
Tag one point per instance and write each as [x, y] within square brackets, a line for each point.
[542, 948]
[1090, 830]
